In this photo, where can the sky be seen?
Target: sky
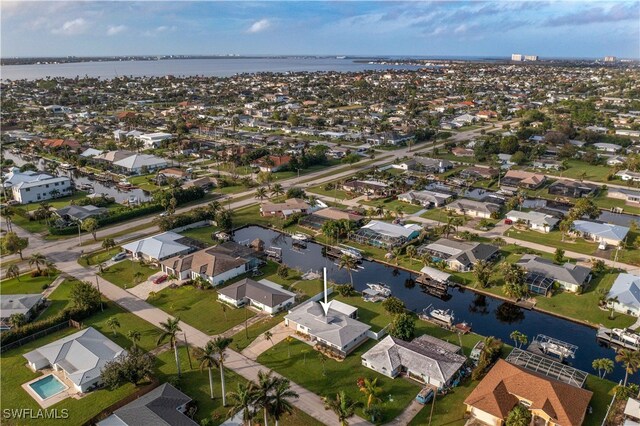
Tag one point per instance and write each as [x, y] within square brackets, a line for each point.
[436, 28]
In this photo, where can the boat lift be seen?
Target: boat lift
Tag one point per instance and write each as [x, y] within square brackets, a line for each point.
[274, 253]
[545, 345]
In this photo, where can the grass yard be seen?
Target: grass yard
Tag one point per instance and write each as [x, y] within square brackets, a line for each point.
[392, 204]
[251, 216]
[202, 234]
[59, 299]
[232, 189]
[122, 273]
[603, 391]
[605, 202]
[33, 226]
[98, 257]
[441, 215]
[240, 339]
[199, 308]
[449, 409]
[553, 239]
[25, 284]
[578, 169]
[304, 368]
[335, 193]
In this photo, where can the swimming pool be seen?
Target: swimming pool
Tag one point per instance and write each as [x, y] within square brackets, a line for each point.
[48, 386]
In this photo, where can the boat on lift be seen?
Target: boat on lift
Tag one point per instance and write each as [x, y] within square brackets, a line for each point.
[299, 236]
[556, 349]
[444, 315]
[349, 251]
[380, 288]
[627, 336]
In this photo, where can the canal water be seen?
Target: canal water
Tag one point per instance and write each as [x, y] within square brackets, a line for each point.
[98, 187]
[487, 315]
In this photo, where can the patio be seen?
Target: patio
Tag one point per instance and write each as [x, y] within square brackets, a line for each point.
[70, 391]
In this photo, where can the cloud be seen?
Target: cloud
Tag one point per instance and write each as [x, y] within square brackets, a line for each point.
[596, 15]
[159, 30]
[115, 29]
[259, 26]
[74, 27]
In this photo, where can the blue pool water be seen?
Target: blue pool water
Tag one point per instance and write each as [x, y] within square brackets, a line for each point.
[48, 386]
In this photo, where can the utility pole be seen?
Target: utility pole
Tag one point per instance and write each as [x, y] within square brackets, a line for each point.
[186, 344]
[99, 292]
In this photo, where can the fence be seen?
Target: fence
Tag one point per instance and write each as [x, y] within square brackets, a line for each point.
[34, 336]
[198, 224]
[380, 334]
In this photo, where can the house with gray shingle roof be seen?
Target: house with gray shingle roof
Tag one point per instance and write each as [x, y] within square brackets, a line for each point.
[459, 255]
[570, 277]
[163, 406]
[266, 296]
[627, 289]
[10, 304]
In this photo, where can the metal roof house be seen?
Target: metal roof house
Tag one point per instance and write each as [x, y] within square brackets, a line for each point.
[570, 277]
[159, 247]
[626, 288]
[163, 406]
[536, 221]
[81, 356]
[473, 208]
[600, 232]
[426, 359]
[386, 235]
[267, 297]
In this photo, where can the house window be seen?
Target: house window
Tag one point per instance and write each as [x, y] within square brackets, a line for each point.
[525, 403]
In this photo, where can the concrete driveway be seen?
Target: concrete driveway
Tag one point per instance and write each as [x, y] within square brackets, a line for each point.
[143, 289]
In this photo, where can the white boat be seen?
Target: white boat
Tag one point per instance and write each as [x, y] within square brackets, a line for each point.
[561, 351]
[67, 166]
[442, 315]
[299, 236]
[351, 252]
[627, 336]
[381, 289]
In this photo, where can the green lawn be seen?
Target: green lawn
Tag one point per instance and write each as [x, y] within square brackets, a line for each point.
[578, 169]
[307, 371]
[553, 239]
[392, 205]
[240, 339]
[25, 284]
[98, 256]
[202, 234]
[605, 202]
[33, 226]
[59, 299]
[199, 308]
[122, 273]
[449, 409]
[232, 189]
[335, 193]
[440, 215]
[603, 391]
[15, 372]
[251, 216]
[369, 313]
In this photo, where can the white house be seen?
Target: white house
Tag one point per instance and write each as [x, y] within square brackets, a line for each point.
[30, 187]
[152, 140]
[216, 267]
[25, 304]
[534, 220]
[600, 232]
[266, 296]
[627, 175]
[626, 289]
[81, 356]
[158, 247]
[138, 163]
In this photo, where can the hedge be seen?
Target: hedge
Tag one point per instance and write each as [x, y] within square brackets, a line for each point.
[119, 216]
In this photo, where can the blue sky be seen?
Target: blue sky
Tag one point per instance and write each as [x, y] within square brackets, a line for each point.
[476, 28]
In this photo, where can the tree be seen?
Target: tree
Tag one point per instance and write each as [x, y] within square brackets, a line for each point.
[113, 324]
[108, 243]
[393, 305]
[630, 360]
[371, 391]
[243, 400]
[265, 178]
[266, 383]
[519, 338]
[17, 320]
[268, 336]
[132, 368]
[559, 255]
[349, 263]
[584, 207]
[518, 416]
[207, 359]
[411, 252]
[279, 403]
[289, 340]
[323, 360]
[277, 190]
[261, 193]
[343, 406]
[603, 365]
[514, 278]
[37, 259]
[84, 296]
[12, 243]
[138, 277]
[220, 344]
[283, 271]
[403, 326]
[482, 271]
[90, 225]
[13, 271]
[611, 301]
[134, 335]
[169, 331]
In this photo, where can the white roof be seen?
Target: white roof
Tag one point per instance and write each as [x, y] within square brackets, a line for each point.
[17, 303]
[158, 246]
[36, 183]
[604, 230]
[435, 274]
[627, 289]
[392, 229]
[138, 160]
[15, 176]
[156, 136]
[533, 217]
[91, 152]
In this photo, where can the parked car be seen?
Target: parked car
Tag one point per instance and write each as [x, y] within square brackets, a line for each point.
[163, 214]
[160, 279]
[508, 222]
[119, 256]
[425, 395]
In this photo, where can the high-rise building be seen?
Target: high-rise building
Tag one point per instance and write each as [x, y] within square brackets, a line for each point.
[516, 57]
[531, 57]
[609, 58]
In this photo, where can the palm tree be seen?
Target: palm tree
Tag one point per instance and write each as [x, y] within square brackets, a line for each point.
[277, 189]
[37, 259]
[113, 324]
[603, 365]
[243, 399]
[371, 391]
[482, 271]
[411, 252]
[323, 360]
[343, 406]
[138, 277]
[108, 243]
[261, 193]
[349, 263]
[17, 320]
[266, 383]
[279, 403]
[220, 345]
[289, 340]
[207, 359]
[518, 338]
[611, 301]
[304, 353]
[13, 271]
[268, 336]
[399, 211]
[134, 335]
[630, 360]
[169, 331]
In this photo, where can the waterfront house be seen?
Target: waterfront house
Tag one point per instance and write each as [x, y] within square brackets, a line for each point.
[30, 186]
[285, 209]
[425, 198]
[473, 208]
[569, 276]
[159, 247]
[459, 255]
[630, 196]
[153, 140]
[600, 232]
[536, 221]
[386, 235]
[573, 189]
[506, 385]
[25, 304]
[265, 296]
[626, 289]
[140, 164]
[165, 405]
[425, 359]
[80, 356]
[316, 219]
[516, 179]
[627, 175]
[215, 268]
[337, 331]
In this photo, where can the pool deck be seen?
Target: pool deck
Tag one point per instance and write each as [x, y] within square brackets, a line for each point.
[46, 403]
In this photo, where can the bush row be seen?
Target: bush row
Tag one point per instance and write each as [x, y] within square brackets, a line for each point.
[118, 216]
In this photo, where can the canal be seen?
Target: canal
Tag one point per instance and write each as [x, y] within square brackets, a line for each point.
[487, 315]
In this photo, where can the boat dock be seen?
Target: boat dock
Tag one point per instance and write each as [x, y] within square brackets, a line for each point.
[608, 337]
[274, 253]
[433, 287]
[549, 347]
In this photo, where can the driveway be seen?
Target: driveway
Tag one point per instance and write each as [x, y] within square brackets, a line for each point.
[143, 289]
[260, 344]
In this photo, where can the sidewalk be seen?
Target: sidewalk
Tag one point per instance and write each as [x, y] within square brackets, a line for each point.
[260, 344]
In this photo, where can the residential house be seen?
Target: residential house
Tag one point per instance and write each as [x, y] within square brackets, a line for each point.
[81, 356]
[459, 255]
[110, 157]
[574, 189]
[486, 114]
[630, 196]
[272, 163]
[140, 164]
[425, 198]
[75, 213]
[55, 144]
[337, 331]
[153, 140]
[316, 219]
[506, 385]
[215, 268]
[386, 235]
[265, 296]
[536, 221]
[25, 304]
[547, 164]
[285, 209]
[206, 183]
[462, 152]
[425, 359]
[626, 293]
[600, 232]
[607, 147]
[427, 165]
[368, 187]
[165, 405]
[627, 175]
[515, 179]
[477, 172]
[616, 160]
[30, 187]
[569, 276]
[482, 195]
[159, 247]
[473, 208]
